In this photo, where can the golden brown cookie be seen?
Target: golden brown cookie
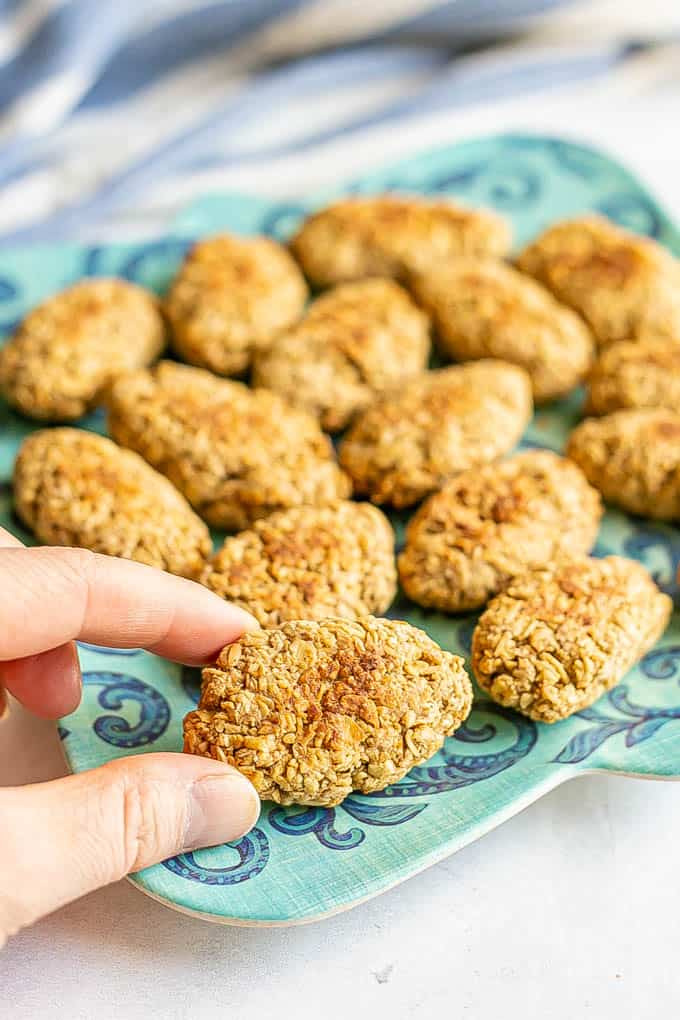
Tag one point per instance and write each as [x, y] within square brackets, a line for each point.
[75, 488]
[355, 342]
[392, 235]
[237, 454]
[635, 374]
[308, 563]
[555, 640]
[411, 442]
[64, 354]
[623, 285]
[633, 458]
[493, 522]
[482, 308]
[316, 709]
[231, 296]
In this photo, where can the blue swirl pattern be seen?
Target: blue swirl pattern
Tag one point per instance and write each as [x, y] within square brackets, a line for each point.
[662, 663]
[638, 722]
[253, 855]
[117, 688]
[461, 770]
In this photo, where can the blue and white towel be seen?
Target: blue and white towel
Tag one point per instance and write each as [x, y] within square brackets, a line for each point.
[108, 106]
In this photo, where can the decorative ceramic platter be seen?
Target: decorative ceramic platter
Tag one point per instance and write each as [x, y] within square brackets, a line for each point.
[302, 864]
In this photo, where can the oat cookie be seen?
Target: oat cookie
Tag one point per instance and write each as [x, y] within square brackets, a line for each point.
[555, 640]
[237, 454]
[623, 285]
[231, 296]
[308, 563]
[391, 235]
[491, 523]
[482, 308]
[411, 442]
[75, 488]
[314, 710]
[355, 342]
[633, 458]
[634, 374]
[66, 351]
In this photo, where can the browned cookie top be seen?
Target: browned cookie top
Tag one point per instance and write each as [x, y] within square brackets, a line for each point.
[482, 308]
[231, 296]
[75, 488]
[554, 640]
[392, 235]
[313, 710]
[237, 454]
[412, 441]
[356, 341]
[307, 563]
[623, 285]
[66, 351]
[493, 522]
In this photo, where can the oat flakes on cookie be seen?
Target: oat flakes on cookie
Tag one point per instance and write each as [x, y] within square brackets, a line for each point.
[392, 235]
[482, 308]
[555, 640]
[493, 522]
[230, 297]
[633, 458]
[317, 709]
[624, 286]
[64, 353]
[356, 341]
[75, 488]
[236, 454]
[308, 563]
[411, 442]
[635, 374]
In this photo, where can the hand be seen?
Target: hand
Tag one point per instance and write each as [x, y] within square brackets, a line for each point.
[64, 838]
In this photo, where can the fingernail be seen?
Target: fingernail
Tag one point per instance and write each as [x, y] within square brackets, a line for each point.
[247, 621]
[223, 807]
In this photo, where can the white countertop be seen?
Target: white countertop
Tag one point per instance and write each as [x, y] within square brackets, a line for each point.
[567, 911]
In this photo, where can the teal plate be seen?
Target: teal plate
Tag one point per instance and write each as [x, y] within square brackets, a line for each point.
[302, 864]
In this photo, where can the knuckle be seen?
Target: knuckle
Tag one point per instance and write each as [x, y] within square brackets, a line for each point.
[152, 822]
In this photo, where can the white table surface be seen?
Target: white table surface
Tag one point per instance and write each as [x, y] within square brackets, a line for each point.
[567, 911]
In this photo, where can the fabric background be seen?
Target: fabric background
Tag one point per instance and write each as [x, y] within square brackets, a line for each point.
[110, 109]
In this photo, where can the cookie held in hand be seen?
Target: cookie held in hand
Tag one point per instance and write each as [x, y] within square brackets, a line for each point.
[315, 710]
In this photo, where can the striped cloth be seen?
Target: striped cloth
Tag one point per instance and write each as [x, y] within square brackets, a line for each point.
[109, 106]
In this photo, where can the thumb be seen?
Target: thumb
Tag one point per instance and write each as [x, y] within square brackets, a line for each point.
[67, 837]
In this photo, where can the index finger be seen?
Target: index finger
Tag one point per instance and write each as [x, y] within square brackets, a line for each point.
[49, 596]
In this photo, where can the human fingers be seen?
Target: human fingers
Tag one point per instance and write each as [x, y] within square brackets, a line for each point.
[108, 822]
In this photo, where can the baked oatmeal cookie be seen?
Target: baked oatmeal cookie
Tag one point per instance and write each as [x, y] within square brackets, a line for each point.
[355, 342]
[66, 351]
[308, 563]
[493, 522]
[555, 640]
[624, 286]
[634, 374]
[633, 458]
[391, 235]
[231, 296]
[408, 444]
[482, 308]
[236, 454]
[75, 488]
[316, 709]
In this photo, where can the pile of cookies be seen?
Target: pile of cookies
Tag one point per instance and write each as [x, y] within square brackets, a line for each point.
[327, 697]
